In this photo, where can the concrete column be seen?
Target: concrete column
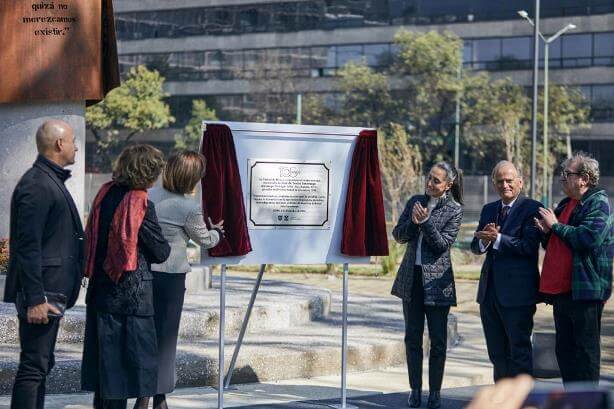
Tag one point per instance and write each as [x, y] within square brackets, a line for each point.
[18, 125]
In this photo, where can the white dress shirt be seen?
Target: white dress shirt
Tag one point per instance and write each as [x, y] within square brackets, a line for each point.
[497, 242]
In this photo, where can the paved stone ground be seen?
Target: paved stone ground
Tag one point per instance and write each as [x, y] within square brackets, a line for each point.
[466, 291]
[384, 388]
[467, 363]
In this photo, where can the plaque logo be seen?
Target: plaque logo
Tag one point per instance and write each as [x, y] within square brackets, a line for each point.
[292, 172]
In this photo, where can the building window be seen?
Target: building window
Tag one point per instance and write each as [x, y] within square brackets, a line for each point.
[512, 53]
[324, 57]
[468, 53]
[576, 50]
[604, 49]
[486, 52]
[349, 53]
[516, 53]
[292, 16]
[602, 103]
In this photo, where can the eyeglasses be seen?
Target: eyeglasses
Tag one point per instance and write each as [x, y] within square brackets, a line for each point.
[565, 174]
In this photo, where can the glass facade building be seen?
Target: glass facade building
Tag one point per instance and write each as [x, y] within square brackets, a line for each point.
[492, 54]
[291, 16]
[211, 51]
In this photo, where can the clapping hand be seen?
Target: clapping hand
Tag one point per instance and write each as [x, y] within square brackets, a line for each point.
[217, 226]
[419, 213]
[488, 233]
[548, 219]
[541, 225]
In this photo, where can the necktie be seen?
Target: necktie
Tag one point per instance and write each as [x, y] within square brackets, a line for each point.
[503, 215]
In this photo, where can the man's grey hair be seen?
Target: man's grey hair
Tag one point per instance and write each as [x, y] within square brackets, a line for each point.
[501, 164]
[586, 166]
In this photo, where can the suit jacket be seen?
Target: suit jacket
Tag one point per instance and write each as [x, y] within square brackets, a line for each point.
[46, 249]
[438, 235]
[514, 265]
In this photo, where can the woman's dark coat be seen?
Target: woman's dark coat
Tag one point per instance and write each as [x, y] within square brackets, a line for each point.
[439, 233]
[120, 351]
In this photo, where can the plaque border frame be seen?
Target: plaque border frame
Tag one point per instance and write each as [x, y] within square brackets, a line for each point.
[289, 226]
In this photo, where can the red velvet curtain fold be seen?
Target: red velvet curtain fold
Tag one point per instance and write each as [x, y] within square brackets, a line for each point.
[222, 193]
[364, 224]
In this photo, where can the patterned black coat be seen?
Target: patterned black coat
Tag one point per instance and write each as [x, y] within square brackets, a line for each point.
[439, 233]
[120, 353]
[133, 294]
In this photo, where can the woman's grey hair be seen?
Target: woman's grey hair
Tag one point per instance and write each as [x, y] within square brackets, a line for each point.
[586, 166]
[451, 172]
[456, 177]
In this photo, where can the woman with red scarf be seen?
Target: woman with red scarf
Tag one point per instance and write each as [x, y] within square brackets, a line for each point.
[124, 238]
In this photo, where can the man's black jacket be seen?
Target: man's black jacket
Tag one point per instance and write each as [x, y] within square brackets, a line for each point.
[46, 248]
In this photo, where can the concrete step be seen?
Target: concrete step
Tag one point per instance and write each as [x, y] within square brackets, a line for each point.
[375, 340]
[279, 305]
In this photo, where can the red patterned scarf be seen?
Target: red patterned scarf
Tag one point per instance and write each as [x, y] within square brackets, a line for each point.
[122, 251]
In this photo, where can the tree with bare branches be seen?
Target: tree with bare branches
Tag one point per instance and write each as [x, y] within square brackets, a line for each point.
[401, 167]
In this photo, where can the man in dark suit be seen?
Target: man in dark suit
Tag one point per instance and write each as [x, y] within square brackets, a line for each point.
[510, 277]
[45, 259]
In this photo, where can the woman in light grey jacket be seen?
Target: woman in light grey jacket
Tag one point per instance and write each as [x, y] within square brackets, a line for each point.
[181, 219]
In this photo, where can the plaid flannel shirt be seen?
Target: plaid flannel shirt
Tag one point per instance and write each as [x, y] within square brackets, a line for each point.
[590, 235]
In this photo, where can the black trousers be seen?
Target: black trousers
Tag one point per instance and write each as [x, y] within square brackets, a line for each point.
[508, 336]
[37, 342]
[168, 295]
[578, 336]
[414, 312]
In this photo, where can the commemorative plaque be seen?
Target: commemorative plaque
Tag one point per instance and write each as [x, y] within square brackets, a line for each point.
[288, 194]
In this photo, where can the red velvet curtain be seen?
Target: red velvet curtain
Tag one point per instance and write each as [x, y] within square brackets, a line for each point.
[222, 192]
[364, 224]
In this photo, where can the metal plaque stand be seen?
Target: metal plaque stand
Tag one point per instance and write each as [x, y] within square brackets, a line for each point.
[248, 313]
[220, 389]
[224, 382]
[344, 343]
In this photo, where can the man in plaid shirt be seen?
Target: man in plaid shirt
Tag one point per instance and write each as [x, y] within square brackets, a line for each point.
[577, 272]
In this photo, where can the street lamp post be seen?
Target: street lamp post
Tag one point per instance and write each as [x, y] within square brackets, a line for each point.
[547, 41]
[534, 101]
[546, 61]
[299, 108]
[457, 120]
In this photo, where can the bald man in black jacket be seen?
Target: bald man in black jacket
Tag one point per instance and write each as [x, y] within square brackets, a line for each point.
[45, 259]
